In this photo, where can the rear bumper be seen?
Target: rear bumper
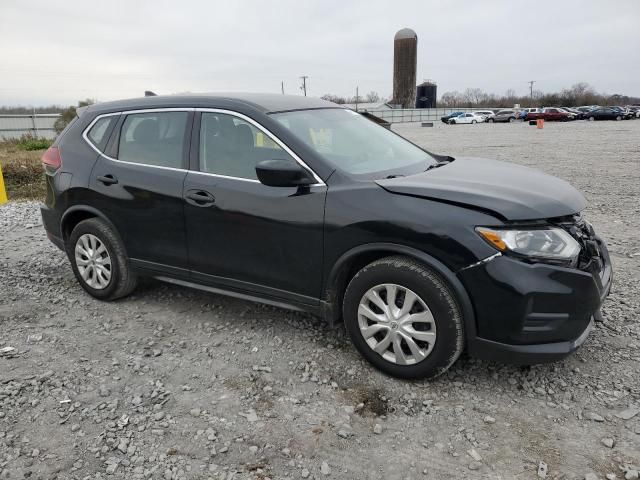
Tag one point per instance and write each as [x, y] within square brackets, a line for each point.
[51, 223]
[534, 313]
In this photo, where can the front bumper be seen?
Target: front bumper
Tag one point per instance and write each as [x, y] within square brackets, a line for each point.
[534, 313]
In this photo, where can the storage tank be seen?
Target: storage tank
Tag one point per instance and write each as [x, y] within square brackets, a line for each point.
[405, 55]
[426, 94]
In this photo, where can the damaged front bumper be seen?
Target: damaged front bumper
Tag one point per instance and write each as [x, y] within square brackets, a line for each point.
[532, 313]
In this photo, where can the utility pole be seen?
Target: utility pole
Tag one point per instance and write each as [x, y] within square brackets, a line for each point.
[356, 99]
[282, 86]
[304, 84]
[531, 82]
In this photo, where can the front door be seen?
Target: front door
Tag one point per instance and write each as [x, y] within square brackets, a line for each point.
[138, 186]
[242, 234]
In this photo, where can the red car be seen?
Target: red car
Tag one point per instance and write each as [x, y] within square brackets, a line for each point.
[550, 115]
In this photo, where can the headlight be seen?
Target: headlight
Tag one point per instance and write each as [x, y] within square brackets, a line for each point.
[548, 243]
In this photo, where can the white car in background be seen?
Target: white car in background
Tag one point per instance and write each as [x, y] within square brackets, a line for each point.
[466, 118]
[487, 114]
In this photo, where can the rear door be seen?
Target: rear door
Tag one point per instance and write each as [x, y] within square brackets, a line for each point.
[138, 183]
[554, 114]
[244, 235]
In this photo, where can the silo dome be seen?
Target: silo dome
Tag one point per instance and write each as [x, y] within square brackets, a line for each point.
[405, 33]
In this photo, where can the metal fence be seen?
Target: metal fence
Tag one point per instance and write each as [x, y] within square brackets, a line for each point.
[37, 125]
[406, 115]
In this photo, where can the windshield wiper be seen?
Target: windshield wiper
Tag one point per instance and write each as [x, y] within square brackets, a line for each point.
[439, 164]
[435, 165]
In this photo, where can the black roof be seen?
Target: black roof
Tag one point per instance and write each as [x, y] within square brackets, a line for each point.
[263, 102]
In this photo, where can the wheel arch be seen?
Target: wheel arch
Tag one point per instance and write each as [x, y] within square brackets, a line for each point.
[76, 214]
[353, 260]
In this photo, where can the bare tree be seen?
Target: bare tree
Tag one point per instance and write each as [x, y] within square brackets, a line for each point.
[334, 98]
[451, 99]
[372, 97]
[579, 94]
[474, 97]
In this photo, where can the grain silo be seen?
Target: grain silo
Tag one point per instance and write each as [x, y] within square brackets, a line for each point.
[405, 55]
[426, 94]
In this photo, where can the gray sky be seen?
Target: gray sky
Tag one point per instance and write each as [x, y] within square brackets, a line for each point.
[60, 52]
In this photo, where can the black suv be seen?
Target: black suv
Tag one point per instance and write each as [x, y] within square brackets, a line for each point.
[299, 203]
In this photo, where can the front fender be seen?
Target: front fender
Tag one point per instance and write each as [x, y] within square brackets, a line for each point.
[333, 296]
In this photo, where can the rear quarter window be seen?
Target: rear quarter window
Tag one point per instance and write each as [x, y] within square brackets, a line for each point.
[99, 133]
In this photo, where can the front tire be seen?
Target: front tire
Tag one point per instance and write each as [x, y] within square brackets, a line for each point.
[403, 318]
[618, 118]
[491, 120]
[592, 119]
[99, 260]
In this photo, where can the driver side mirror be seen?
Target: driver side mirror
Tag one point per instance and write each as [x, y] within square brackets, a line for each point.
[282, 173]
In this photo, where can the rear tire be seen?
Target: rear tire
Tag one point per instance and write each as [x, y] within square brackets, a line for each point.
[473, 122]
[592, 119]
[423, 348]
[618, 118]
[511, 119]
[99, 260]
[491, 120]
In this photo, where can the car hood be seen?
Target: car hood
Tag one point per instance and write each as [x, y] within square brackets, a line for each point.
[511, 191]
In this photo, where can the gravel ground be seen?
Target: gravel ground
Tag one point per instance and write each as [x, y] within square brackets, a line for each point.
[172, 383]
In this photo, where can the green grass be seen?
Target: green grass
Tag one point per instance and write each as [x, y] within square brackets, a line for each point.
[29, 143]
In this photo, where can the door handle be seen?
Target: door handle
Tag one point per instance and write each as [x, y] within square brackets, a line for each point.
[107, 179]
[199, 198]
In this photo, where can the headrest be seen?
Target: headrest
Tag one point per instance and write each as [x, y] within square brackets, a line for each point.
[244, 136]
[146, 131]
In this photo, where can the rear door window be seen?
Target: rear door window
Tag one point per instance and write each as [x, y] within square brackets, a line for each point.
[154, 138]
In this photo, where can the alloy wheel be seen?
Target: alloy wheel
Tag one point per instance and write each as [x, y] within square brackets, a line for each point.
[93, 261]
[396, 324]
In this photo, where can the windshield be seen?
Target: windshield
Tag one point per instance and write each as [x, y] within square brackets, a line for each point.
[354, 144]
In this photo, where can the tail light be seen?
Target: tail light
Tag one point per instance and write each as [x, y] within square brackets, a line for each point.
[51, 160]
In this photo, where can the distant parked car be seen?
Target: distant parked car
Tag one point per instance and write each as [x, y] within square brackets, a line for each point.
[487, 114]
[506, 116]
[448, 117]
[634, 110]
[550, 115]
[626, 113]
[604, 113]
[575, 112]
[466, 118]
